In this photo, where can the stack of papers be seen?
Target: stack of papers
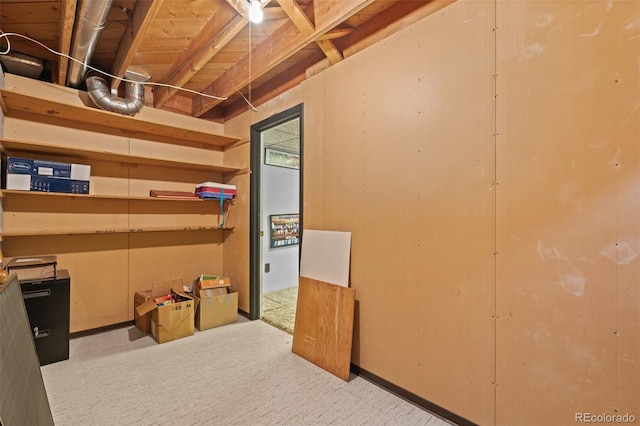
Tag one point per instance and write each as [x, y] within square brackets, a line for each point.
[214, 190]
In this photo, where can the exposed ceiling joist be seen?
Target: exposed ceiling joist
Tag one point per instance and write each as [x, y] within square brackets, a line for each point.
[330, 50]
[67, 19]
[139, 21]
[208, 46]
[297, 16]
[284, 42]
[398, 16]
[219, 31]
[276, 86]
[304, 24]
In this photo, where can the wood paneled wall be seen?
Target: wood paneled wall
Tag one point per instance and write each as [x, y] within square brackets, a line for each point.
[486, 161]
[568, 211]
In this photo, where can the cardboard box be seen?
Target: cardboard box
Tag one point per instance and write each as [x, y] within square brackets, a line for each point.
[143, 322]
[34, 268]
[216, 307]
[212, 281]
[28, 166]
[172, 321]
[47, 184]
[29, 174]
[157, 289]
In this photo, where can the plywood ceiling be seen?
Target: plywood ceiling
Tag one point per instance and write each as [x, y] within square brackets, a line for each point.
[209, 46]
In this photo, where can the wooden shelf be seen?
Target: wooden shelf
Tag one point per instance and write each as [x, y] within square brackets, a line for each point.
[16, 146]
[74, 106]
[112, 231]
[12, 192]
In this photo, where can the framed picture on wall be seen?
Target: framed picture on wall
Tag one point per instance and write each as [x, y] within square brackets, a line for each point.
[284, 229]
[274, 157]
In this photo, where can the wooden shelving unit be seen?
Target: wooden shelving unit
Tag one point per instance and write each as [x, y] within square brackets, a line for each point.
[81, 111]
[114, 231]
[131, 239]
[17, 193]
[16, 147]
[77, 109]
[43, 229]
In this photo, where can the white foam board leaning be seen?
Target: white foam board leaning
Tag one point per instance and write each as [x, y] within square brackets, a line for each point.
[325, 256]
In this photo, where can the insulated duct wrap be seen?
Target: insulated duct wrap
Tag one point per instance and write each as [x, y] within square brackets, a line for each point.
[99, 92]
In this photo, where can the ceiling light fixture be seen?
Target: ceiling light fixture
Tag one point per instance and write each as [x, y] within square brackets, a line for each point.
[255, 11]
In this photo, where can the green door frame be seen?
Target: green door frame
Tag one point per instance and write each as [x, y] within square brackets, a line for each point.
[255, 197]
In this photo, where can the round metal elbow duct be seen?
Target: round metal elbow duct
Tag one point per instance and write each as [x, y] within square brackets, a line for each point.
[99, 92]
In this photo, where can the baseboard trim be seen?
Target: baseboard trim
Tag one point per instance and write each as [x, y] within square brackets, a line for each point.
[429, 406]
[101, 329]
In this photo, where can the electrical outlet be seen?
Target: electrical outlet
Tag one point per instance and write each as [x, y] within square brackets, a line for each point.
[267, 267]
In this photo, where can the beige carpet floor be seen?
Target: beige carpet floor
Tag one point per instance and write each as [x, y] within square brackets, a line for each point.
[240, 374]
[279, 308]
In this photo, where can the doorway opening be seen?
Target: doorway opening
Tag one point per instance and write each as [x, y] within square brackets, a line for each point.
[276, 217]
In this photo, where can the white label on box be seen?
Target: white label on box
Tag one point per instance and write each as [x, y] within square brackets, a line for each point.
[45, 171]
[22, 182]
[29, 259]
[80, 172]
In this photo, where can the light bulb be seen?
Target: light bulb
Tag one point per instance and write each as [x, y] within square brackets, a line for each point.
[255, 12]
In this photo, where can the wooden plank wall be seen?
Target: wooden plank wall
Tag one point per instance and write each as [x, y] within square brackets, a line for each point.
[491, 182]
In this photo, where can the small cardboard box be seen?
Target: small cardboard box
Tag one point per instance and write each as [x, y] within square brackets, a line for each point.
[143, 322]
[172, 321]
[157, 289]
[33, 268]
[212, 281]
[215, 307]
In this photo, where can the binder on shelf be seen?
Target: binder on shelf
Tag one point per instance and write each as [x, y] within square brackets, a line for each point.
[179, 195]
[214, 195]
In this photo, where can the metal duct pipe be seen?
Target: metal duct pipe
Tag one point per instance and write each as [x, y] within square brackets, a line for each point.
[99, 92]
[90, 20]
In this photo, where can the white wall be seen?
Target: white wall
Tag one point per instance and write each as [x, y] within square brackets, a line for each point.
[280, 195]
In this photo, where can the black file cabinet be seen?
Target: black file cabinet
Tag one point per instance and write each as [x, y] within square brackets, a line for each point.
[47, 304]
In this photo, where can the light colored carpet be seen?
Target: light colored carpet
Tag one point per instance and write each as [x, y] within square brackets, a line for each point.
[279, 308]
[238, 374]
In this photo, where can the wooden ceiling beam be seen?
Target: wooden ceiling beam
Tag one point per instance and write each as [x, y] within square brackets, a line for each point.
[297, 16]
[272, 88]
[67, 20]
[283, 43]
[330, 50]
[271, 13]
[220, 29]
[178, 103]
[139, 22]
[304, 24]
[239, 6]
[337, 33]
[396, 17]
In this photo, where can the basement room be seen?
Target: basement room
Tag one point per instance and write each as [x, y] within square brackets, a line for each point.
[319, 212]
